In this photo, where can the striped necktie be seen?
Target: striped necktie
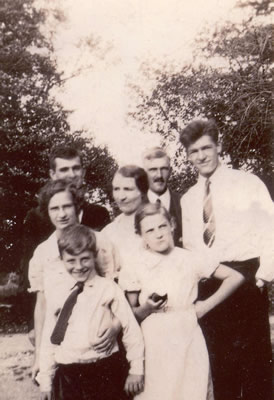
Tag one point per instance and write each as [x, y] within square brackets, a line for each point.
[59, 331]
[208, 216]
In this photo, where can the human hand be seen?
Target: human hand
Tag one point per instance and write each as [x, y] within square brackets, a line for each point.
[134, 384]
[200, 308]
[154, 306]
[45, 395]
[107, 338]
[260, 284]
[34, 370]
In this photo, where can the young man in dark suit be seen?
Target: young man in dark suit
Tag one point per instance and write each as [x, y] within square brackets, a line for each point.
[157, 165]
[64, 162]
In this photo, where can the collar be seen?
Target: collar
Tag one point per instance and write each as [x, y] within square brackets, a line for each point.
[165, 197]
[217, 174]
[88, 283]
[80, 216]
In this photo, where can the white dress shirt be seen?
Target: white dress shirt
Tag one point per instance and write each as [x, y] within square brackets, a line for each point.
[164, 198]
[244, 215]
[91, 316]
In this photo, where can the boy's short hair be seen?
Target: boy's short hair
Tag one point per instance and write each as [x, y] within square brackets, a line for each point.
[196, 129]
[60, 185]
[67, 152]
[76, 239]
[155, 152]
[139, 175]
[149, 209]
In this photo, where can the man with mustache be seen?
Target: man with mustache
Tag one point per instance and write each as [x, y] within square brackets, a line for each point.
[157, 165]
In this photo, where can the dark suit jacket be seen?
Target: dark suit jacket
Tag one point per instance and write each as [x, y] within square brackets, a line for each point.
[176, 212]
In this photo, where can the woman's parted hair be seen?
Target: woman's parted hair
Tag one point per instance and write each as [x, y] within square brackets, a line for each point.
[149, 209]
[56, 186]
[77, 238]
[139, 175]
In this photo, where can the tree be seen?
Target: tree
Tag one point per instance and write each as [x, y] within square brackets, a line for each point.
[31, 122]
[236, 92]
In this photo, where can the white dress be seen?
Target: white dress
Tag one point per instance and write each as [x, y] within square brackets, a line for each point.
[176, 358]
[126, 243]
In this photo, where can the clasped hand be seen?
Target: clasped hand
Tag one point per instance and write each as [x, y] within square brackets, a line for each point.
[134, 384]
[154, 306]
[107, 338]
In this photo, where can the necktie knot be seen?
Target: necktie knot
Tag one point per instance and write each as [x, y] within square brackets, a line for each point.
[80, 286]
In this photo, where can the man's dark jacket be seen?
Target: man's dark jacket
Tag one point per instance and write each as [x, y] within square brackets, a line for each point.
[176, 212]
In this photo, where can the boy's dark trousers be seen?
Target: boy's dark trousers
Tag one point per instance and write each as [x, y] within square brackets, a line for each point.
[101, 380]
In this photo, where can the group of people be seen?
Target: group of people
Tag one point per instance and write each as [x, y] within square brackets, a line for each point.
[167, 301]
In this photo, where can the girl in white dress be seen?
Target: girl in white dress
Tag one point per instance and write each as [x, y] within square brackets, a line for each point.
[176, 358]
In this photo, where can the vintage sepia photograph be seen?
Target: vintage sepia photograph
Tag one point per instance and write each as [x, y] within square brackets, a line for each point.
[136, 185]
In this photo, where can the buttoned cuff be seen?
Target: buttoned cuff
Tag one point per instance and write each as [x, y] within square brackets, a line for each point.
[137, 367]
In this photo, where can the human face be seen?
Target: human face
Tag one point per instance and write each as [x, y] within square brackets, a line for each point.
[158, 171]
[156, 232]
[82, 266]
[204, 155]
[61, 209]
[126, 194]
[71, 168]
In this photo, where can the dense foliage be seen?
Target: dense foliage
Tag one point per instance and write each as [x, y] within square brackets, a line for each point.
[31, 122]
[232, 83]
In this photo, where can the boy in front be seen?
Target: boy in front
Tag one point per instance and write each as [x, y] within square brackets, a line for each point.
[70, 368]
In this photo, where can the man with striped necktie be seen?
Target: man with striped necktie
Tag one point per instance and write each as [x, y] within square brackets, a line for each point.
[230, 213]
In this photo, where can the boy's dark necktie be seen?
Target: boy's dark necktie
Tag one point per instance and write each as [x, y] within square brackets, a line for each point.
[59, 331]
[208, 216]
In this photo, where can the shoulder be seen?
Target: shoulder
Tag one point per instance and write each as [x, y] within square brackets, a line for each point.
[175, 195]
[34, 215]
[239, 177]
[95, 208]
[190, 193]
[46, 245]
[107, 285]
[112, 226]
[95, 216]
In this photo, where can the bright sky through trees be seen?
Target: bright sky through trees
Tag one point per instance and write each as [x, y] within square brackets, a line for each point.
[122, 35]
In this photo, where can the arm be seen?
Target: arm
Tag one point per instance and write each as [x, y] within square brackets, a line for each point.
[231, 281]
[45, 396]
[133, 342]
[39, 318]
[108, 337]
[141, 312]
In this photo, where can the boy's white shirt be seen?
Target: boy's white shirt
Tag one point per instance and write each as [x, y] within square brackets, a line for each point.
[92, 314]
[47, 273]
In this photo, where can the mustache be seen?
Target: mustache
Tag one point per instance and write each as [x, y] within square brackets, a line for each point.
[161, 180]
